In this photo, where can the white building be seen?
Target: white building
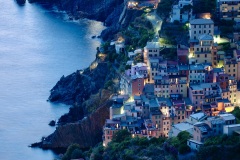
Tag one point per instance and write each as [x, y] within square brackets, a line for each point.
[178, 14]
[152, 49]
[177, 128]
[200, 26]
[197, 117]
[193, 144]
[229, 129]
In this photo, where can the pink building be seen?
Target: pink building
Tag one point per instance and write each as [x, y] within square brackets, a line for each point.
[139, 68]
[182, 53]
[137, 85]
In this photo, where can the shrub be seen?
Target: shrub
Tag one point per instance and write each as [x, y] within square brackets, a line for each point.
[121, 135]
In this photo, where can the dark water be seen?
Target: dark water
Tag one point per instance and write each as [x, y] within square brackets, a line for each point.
[37, 47]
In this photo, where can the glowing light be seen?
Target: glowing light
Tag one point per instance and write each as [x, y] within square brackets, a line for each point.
[229, 109]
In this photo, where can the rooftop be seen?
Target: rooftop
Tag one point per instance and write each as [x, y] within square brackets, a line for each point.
[215, 120]
[201, 86]
[183, 67]
[205, 37]
[164, 100]
[232, 125]
[183, 126]
[153, 45]
[153, 103]
[227, 116]
[149, 88]
[223, 100]
[201, 21]
[198, 116]
[196, 67]
[217, 70]
[203, 127]
[140, 65]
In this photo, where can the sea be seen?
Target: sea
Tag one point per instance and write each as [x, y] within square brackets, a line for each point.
[38, 45]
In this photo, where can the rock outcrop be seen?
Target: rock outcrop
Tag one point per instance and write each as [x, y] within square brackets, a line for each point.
[87, 132]
[83, 89]
[77, 87]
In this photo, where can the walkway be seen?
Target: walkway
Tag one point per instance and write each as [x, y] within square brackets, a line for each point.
[156, 22]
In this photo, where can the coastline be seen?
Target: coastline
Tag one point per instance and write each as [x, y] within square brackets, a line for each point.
[40, 144]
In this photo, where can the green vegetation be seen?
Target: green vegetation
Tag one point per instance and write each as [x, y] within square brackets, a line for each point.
[138, 58]
[173, 33]
[219, 152]
[126, 148]
[222, 140]
[108, 84]
[138, 33]
[220, 147]
[169, 53]
[204, 6]
[164, 8]
[73, 152]
[236, 113]
[226, 26]
[186, 8]
[180, 142]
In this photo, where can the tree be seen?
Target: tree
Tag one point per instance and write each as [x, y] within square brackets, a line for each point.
[77, 153]
[183, 136]
[121, 135]
[164, 8]
[73, 151]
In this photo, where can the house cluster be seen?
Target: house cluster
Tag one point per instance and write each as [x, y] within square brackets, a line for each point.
[203, 128]
[195, 93]
[226, 9]
[141, 4]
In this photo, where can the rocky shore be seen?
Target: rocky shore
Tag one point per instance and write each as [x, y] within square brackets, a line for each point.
[86, 132]
[83, 89]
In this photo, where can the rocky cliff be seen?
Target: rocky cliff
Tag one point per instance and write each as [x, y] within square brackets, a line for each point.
[87, 132]
[77, 87]
[84, 88]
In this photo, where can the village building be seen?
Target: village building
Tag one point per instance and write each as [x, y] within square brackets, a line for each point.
[200, 26]
[179, 13]
[228, 9]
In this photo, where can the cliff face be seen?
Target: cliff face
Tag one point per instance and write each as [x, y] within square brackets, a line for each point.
[77, 87]
[83, 89]
[107, 11]
[92, 9]
[87, 132]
